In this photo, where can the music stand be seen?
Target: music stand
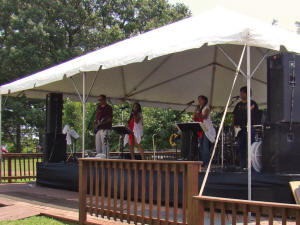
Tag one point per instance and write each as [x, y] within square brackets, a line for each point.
[122, 131]
[189, 128]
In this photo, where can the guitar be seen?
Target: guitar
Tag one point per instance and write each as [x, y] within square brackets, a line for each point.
[97, 125]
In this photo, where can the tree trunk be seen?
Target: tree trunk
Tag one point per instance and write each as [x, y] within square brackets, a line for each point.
[18, 139]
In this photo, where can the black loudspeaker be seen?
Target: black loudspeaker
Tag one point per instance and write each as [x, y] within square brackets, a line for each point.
[55, 147]
[280, 70]
[54, 107]
[281, 149]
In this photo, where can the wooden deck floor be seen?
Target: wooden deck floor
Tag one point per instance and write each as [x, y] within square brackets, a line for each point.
[18, 201]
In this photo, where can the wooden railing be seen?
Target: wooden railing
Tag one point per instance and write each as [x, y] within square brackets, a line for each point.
[18, 167]
[151, 192]
[149, 155]
[232, 211]
[21, 167]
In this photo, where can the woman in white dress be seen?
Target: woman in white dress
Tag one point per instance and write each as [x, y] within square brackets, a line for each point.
[202, 115]
[135, 124]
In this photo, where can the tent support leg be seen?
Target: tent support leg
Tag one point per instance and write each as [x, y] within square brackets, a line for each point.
[76, 89]
[259, 63]
[222, 148]
[249, 120]
[93, 83]
[5, 100]
[230, 69]
[123, 81]
[231, 60]
[214, 68]
[0, 136]
[83, 114]
[222, 123]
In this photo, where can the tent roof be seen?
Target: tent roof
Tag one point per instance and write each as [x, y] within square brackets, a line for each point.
[160, 67]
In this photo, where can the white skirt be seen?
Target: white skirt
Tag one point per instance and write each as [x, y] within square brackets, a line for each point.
[137, 131]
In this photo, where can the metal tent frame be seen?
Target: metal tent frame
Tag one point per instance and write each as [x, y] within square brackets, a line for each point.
[248, 76]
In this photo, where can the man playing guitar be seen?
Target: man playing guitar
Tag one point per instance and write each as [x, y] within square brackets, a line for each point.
[240, 124]
[102, 125]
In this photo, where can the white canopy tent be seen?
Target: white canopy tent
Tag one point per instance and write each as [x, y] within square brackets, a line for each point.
[170, 66]
[156, 67]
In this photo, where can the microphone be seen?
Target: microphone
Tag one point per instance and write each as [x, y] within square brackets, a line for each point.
[236, 97]
[191, 102]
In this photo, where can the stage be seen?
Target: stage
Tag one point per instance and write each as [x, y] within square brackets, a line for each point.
[265, 187]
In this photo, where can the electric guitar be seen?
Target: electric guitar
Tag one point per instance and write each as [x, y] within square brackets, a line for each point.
[97, 125]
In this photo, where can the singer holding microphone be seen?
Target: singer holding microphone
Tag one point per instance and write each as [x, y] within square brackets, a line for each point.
[202, 115]
[135, 124]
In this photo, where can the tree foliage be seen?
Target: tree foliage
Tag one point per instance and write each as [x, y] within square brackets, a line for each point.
[37, 34]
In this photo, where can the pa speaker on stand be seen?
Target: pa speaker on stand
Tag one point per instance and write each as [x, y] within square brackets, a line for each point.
[55, 141]
[55, 147]
[281, 144]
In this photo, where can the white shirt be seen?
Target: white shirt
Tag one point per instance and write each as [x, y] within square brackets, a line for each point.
[210, 131]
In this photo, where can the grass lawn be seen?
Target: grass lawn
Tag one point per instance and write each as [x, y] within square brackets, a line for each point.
[36, 220]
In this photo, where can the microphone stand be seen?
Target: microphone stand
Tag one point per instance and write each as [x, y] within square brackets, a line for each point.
[219, 114]
[122, 108]
[234, 100]
[177, 117]
[181, 112]
[121, 137]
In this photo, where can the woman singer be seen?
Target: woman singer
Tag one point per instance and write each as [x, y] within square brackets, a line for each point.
[208, 135]
[135, 124]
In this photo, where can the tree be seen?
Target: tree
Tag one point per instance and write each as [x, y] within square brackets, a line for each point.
[23, 114]
[37, 34]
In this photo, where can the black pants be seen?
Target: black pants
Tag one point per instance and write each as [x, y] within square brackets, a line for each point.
[242, 140]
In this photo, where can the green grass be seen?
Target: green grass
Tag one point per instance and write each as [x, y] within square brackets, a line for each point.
[36, 220]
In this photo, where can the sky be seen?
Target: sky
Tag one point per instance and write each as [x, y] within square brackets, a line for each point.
[286, 12]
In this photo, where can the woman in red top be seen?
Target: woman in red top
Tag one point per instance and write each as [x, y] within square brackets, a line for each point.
[202, 115]
[135, 124]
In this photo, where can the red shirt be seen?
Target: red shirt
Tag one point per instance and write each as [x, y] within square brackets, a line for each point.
[199, 119]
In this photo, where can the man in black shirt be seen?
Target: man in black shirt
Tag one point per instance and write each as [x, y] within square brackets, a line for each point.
[240, 121]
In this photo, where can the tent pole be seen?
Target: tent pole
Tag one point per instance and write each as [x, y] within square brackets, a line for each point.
[93, 83]
[259, 63]
[249, 120]
[222, 122]
[231, 60]
[123, 81]
[0, 135]
[83, 114]
[76, 89]
[222, 147]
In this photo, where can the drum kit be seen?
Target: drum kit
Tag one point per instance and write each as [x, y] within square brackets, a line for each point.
[228, 148]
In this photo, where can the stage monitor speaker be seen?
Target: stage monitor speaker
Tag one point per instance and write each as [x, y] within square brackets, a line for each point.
[279, 71]
[54, 107]
[280, 152]
[55, 147]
